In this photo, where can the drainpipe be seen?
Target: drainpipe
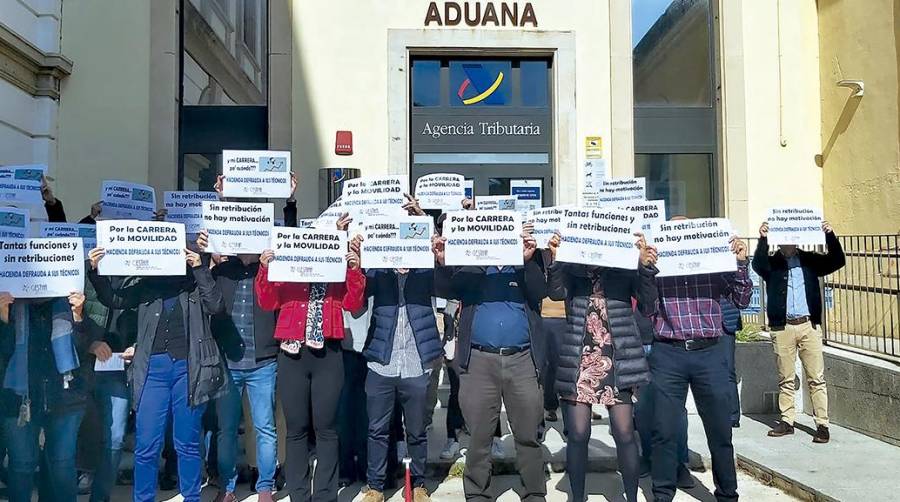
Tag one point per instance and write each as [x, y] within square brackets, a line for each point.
[781, 137]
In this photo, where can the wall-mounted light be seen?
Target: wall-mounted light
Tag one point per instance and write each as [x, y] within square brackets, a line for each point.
[857, 86]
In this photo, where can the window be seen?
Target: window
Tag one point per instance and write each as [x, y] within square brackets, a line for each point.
[682, 180]
[250, 26]
[534, 82]
[426, 82]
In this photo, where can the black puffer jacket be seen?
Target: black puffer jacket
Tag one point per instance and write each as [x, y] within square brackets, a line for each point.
[570, 283]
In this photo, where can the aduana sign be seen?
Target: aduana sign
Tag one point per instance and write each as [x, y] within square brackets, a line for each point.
[477, 14]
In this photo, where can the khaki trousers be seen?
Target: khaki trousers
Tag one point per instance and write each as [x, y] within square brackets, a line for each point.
[807, 341]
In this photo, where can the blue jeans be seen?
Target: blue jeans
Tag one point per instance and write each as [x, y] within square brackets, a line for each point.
[166, 392]
[260, 384]
[60, 438]
[113, 400]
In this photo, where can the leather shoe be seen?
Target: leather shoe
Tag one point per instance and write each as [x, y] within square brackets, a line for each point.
[685, 481]
[822, 435]
[781, 429]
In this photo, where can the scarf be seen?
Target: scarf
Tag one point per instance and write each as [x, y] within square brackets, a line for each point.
[315, 338]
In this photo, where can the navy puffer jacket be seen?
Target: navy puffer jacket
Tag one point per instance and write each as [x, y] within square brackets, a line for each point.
[571, 283]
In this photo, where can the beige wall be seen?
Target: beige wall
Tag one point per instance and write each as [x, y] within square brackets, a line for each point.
[860, 135]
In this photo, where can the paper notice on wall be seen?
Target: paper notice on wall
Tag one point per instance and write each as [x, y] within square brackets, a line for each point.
[692, 247]
[593, 147]
[599, 236]
[238, 227]
[308, 255]
[256, 174]
[547, 221]
[87, 232]
[127, 201]
[621, 190]
[21, 185]
[441, 191]
[529, 194]
[647, 212]
[483, 238]
[14, 223]
[397, 243]
[795, 225]
[495, 203]
[187, 208]
[372, 197]
[594, 173]
[141, 247]
[42, 268]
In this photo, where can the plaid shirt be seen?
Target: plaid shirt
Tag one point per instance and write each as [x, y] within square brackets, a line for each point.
[689, 305]
[242, 316]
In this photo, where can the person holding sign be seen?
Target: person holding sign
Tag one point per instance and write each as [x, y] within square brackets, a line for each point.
[601, 356]
[176, 366]
[687, 353]
[43, 390]
[310, 328]
[402, 346]
[794, 309]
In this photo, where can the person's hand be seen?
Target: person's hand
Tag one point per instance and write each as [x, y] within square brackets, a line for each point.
[739, 248]
[528, 228]
[529, 246]
[412, 206]
[553, 244]
[202, 240]
[468, 204]
[47, 192]
[192, 258]
[294, 183]
[76, 301]
[343, 223]
[6, 299]
[101, 350]
[96, 209]
[648, 255]
[438, 248]
[160, 214]
[356, 244]
[826, 227]
[128, 354]
[95, 255]
[218, 186]
[266, 257]
[764, 230]
[352, 261]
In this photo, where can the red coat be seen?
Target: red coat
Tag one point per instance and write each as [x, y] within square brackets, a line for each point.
[291, 299]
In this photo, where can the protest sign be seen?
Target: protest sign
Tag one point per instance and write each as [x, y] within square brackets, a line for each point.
[308, 255]
[14, 223]
[87, 232]
[187, 208]
[127, 201]
[547, 221]
[647, 212]
[528, 193]
[495, 203]
[599, 236]
[692, 247]
[329, 217]
[483, 238]
[21, 185]
[441, 191]
[305, 223]
[795, 225]
[397, 243]
[256, 173]
[370, 197]
[621, 190]
[469, 187]
[141, 247]
[42, 268]
[238, 227]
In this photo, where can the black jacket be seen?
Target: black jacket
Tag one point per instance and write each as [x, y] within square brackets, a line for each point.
[200, 298]
[467, 285]
[226, 275]
[774, 270]
[571, 283]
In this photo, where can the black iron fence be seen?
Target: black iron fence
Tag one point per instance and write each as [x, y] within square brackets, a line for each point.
[862, 300]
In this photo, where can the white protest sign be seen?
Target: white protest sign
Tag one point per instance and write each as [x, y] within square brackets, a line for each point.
[238, 227]
[547, 221]
[308, 255]
[141, 247]
[621, 190]
[692, 247]
[648, 213]
[329, 217]
[599, 236]
[795, 225]
[441, 191]
[495, 203]
[87, 232]
[256, 173]
[483, 238]
[375, 196]
[304, 223]
[528, 193]
[397, 243]
[187, 208]
[42, 268]
[21, 185]
[127, 201]
[14, 223]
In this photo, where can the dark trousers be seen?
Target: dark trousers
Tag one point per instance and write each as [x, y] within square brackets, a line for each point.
[455, 421]
[381, 395]
[353, 422]
[309, 387]
[735, 408]
[552, 328]
[58, 477]
[488, 379]
[705, 371]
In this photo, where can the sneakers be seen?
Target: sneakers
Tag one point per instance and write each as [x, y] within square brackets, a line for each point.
[781, 429]
[497, 448]
[685, 481]
[420, 494]
[822, 435]
[85, 481]
[373, 496]
[291, 347]
[451, 450]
